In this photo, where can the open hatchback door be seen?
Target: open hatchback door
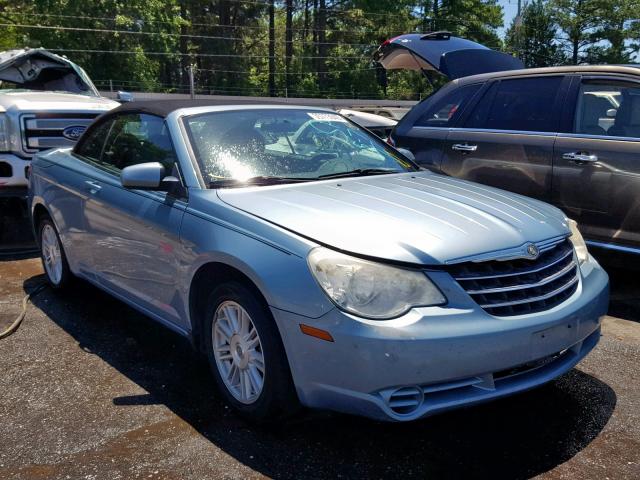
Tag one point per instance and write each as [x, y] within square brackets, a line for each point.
[451, 56]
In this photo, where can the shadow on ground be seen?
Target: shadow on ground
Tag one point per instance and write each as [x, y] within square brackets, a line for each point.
[16, 237]
[516, 437]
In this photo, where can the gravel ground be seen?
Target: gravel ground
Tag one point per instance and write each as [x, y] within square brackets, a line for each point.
[90, 389]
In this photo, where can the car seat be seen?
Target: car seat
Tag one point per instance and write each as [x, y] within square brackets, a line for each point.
[627, 122]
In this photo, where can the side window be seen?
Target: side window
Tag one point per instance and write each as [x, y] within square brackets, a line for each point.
[524, 104]
[138, 138]
[608, 108]
[91, 146]
[444, 112]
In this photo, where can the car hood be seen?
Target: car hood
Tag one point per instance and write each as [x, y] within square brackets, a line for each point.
[368, 120]
[420, 218]
[440, 51]
[23, 100]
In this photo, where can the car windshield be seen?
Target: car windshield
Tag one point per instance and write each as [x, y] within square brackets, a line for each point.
[266, 146]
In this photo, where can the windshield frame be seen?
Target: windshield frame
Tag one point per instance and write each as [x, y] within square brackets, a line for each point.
[197, 161]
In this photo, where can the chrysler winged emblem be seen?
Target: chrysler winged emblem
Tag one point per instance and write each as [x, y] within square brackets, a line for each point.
[532, 251]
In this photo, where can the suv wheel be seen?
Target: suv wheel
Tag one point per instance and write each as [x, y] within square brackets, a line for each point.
[246, 355]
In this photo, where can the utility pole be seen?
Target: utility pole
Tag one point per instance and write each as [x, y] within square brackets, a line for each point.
[519, 14]
[192, 92]
[518, 25]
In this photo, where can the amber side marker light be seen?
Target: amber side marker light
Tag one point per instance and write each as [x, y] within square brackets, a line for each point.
[316, 332]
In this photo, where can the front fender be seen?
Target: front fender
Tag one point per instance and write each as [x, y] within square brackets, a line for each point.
[283, 277]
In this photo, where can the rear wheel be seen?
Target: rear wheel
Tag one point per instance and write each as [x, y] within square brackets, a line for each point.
[246, 355]
[54, 259]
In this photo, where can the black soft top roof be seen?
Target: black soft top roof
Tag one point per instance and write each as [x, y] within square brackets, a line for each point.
[162, 108]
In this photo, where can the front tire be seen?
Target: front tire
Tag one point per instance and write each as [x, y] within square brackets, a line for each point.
[246, 355]
[52, 253]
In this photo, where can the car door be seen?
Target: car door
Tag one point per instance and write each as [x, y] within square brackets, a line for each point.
[596, 174]
[136, 233]
[506, 140]
[71, 174]
[424, 130]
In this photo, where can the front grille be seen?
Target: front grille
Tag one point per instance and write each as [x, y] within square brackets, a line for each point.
[521, 286]
[45, 130]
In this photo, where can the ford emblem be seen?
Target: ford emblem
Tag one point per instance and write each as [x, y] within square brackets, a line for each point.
[532, 250]
[73, 132]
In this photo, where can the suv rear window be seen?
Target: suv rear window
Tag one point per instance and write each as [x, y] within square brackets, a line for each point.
[445, 111]
[524, 104]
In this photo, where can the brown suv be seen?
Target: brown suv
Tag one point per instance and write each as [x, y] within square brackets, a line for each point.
[566, 135]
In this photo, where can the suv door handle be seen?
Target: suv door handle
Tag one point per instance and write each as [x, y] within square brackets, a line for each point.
[464, 147]
[93, 187]
[580, 158]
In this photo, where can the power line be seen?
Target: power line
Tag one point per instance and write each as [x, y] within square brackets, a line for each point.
[214, 55]
[126, 32]
[311, 72]
[190, 23]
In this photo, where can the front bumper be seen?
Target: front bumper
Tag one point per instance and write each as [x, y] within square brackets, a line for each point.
[434, 359]
[15, 177]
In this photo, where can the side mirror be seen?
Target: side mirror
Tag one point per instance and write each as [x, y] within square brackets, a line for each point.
[124, 97]
[407, 153]
[143, 176]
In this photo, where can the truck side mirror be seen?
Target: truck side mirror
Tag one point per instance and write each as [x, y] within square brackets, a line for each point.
[123, 97]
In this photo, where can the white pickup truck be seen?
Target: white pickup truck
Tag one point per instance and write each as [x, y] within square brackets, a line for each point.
[46, 101]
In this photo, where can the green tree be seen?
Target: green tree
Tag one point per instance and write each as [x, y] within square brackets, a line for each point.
[617, 26]
[577, 21]
[534, 40]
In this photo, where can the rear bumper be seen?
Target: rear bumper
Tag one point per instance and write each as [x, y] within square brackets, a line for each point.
[435, 359]
[13, 174]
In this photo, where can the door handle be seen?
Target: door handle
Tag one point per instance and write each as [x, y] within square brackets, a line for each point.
[464, 147]
[93, 187]
[580, 158]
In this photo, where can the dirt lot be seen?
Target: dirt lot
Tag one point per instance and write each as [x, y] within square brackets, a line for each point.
[91, 389]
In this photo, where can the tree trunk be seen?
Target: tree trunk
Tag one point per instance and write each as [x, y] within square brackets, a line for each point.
[184, 47]
[288, 45]
[305, 32]
[272, 49]
[322, 46]
[434, 22]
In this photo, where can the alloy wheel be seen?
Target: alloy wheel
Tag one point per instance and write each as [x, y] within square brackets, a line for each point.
[238, 352]
[51, 253]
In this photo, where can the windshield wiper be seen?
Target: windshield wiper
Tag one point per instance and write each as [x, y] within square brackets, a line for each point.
[259, 180]
[361, 172]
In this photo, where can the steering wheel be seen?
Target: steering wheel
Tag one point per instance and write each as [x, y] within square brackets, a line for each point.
[337, 165]
[339, 141]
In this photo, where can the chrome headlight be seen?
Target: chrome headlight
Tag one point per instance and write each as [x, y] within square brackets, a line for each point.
[369, 289]
[578, 242]
[4, 133]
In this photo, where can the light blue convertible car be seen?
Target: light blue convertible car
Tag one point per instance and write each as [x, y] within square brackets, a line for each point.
[315, 265]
